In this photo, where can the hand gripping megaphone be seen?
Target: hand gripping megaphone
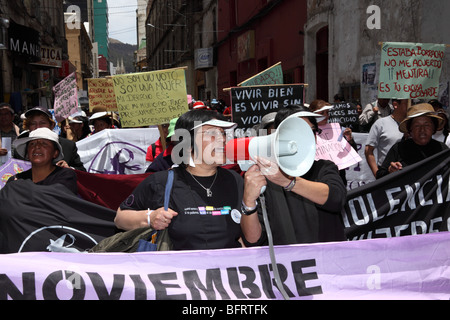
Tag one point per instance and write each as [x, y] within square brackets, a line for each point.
[292, 147]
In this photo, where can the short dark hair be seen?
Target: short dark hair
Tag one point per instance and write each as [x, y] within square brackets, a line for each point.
[339, 97]
[290, 110]
[188, 120]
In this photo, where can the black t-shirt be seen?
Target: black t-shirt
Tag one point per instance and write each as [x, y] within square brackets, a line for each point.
[202, 223]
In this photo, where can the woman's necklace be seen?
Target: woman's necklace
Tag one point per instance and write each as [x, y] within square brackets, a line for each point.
[208, 190]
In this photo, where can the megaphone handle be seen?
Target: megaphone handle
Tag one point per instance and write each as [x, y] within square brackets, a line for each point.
[263, 189]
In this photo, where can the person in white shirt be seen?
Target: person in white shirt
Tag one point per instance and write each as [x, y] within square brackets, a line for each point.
[384, 134]
[441, 135]
[374, 111]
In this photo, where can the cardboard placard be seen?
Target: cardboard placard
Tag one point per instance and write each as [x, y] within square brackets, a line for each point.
[345, 114]
[150, 98]
[272, 75]
[66, 97]
[250, 104]
[410, 70]
[101, 93]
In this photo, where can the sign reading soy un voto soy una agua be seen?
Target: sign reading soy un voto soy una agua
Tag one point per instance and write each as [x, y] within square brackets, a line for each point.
[251, 104]
[150, 98]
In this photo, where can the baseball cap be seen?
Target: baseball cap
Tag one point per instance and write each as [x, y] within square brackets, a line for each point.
[217, 123]
[37, 110]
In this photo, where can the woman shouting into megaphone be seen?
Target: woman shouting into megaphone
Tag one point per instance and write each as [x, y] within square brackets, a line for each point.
[205, 200]
[304, 209]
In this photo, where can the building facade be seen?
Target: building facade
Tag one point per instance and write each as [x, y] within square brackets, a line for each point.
[175, 29]
[101, 35]
[254, 35]
[207, 37]
[79, 48]
[141, 52]
[340, 41]
[34, 54]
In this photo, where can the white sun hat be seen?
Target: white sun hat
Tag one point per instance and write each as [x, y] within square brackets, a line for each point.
[306, 114]
[41, 133]
[324, 108]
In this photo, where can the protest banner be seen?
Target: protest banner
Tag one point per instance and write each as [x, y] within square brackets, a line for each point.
[50, 218]
[345, 114]
[332, 146]
[107, 190]
[410, 70]
[115, 151]
[11, 168]
[150, 98]
[250, 104]
[415, 200]
[407, 268]
[359, 174]
[270, 76]
[66, 97]
[101, 93]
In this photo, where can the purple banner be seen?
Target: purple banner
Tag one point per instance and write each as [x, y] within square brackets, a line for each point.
[11, 168]
[408, 268]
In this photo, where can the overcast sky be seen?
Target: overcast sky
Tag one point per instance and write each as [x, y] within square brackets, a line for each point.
[122, 20]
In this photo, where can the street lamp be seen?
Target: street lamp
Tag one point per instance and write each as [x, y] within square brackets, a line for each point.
[166, 25]
[4, 24]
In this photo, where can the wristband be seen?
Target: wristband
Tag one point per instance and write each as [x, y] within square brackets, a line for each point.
[248, 211]
[149, 212]
[291, 185]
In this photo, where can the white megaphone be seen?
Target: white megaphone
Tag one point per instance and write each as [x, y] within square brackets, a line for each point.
[292, 147]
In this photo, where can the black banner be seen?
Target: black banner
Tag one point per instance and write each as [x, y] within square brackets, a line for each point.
[413, 201]
[251, 104]
[50, 218]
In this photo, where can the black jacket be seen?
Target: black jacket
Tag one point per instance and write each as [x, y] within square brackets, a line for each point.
[71, 155]
[295, 220]
[407, 152]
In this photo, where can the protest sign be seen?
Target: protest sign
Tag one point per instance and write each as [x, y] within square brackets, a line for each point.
[66, 97]
[250, 104]
[332, 146]
[410, 70]
[415, 200]
[406, 268]
[345, 114]
[101, 93]
[272, 75]
[150, 98]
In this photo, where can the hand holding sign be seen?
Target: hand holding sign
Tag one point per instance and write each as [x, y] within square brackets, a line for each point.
[150, 98]
[331, 146]
[66, 98]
